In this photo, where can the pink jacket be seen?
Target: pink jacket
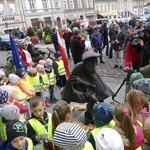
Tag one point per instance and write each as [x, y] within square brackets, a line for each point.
[144, 113]
[139, 139]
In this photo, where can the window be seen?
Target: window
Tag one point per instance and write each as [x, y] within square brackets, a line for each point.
[112, 7]
[115, 8]
[71, 4]
[56, 3]
[12, 8]
[65, 5]
[48, 21]
[86, 4]
[105, 8]
[79, 4]
[108, 7]
[32, 4]
[45, 4]
[97, 8]
[34, 21]
[101, 8]
[1, 9]
[90, 3]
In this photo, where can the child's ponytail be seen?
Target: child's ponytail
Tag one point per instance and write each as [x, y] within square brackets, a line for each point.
[60, 111]
[123, 114]
[127, 126]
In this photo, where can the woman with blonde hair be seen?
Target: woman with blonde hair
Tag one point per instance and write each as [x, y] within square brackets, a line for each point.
[139, 105]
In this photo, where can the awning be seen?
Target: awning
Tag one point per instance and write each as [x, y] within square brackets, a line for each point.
[89, 15]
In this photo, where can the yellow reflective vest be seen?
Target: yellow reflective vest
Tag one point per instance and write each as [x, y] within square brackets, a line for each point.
[30, 144]
[45, 80]
[40, 129]
[52, 77]
[61, 68]
[96, 130]
[35, 81]
[27, 84]
[3, 135]
[20, 93]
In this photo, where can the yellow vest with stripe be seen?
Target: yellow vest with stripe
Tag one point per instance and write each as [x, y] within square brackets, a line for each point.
[35, 81]
[27, 85]
[3, 135]
[45, 79]
[96, 130]
[30, 144]
[88, 146]
[40, 129]
[20, 93]
[61, 68]
[52, 77]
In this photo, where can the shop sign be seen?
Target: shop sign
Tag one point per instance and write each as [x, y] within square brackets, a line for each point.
[8, 18]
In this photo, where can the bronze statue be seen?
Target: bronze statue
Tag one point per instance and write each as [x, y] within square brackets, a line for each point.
[85, 85]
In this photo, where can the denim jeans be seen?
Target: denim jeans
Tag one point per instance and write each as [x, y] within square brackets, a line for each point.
[99, 50]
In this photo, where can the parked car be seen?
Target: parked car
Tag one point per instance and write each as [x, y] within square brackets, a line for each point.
[5, 41]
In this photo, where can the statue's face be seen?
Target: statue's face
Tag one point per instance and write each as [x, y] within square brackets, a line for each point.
[89, 66]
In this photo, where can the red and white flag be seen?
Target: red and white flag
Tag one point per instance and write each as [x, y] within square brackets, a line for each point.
[63, 54]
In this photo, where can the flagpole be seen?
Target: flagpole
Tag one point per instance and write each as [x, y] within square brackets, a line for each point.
[63, 54]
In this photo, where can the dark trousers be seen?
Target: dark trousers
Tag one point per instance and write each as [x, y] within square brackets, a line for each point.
[136, 67]
[99, 50]
[106, 43]
[51, 88]
[68, 50]
[56, 47]
[111, 50]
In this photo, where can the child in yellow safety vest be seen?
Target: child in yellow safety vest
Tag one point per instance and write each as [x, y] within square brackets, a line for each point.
[43, 79]
[62, 113]
[49, 69]
[24, 84]
[9, 113]
[16, 137]
[39, 127]
[18, 97]
[102, 115]
[61, 82]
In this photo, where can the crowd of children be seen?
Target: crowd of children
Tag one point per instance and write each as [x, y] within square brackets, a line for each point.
[25, 125]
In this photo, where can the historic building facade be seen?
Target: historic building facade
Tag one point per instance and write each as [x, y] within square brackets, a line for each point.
[11, 15]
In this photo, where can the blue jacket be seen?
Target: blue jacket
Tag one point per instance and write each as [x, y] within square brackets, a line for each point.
[7, 146]
[97, 40]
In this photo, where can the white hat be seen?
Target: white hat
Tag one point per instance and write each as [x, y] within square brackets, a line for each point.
[70, 136]
[13, 78]
[109, 139]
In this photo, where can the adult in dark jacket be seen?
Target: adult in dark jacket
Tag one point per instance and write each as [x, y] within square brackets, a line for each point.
[85, 85]
[55, 39]
[90, 31]
[105, 36]
[66, 37]
[78, 46]
[96, 42]
[118, 47]
[144, 48]
[111, 37]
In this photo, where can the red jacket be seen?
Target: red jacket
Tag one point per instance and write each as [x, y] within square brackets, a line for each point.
[131, 56]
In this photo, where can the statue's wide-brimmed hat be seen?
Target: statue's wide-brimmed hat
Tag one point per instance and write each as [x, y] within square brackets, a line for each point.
[89, 54]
